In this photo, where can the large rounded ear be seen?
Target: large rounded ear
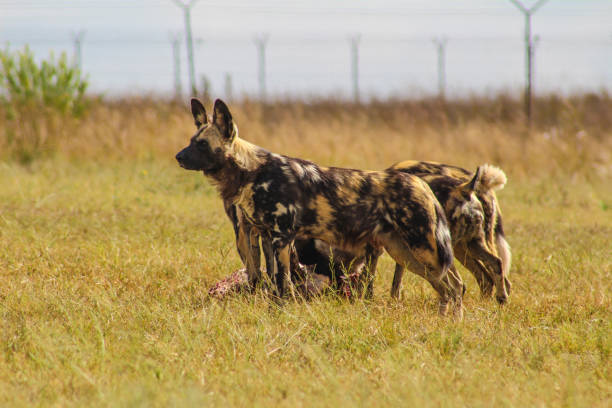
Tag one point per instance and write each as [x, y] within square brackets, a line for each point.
[222, 118]
[473, 184]
[199, 112]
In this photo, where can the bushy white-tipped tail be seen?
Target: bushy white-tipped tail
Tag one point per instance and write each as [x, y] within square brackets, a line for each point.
[443, 242]
[491, 178]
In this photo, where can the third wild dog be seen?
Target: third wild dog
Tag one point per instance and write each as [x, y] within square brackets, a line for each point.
[286, 198]
[487, 256]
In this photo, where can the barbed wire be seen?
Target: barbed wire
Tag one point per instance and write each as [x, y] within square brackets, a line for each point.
[301, 8]
[288, 40]
[100, 44]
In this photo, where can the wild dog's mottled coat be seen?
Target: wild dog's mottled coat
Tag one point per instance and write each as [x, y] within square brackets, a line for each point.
[287, 198]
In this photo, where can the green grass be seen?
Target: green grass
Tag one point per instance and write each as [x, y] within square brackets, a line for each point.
[104, 271]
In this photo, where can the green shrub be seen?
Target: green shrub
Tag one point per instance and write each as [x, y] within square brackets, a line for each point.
[36, 101]
[51, 84]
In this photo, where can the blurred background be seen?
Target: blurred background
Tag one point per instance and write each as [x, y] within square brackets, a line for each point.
[462, 82]
[344, 49]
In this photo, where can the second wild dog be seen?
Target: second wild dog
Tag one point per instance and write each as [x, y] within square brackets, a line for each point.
[286, 198]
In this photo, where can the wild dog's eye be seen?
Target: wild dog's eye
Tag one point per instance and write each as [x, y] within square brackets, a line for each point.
[202, 144]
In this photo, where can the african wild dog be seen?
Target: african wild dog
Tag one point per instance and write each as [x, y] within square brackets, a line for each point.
[487, 256]
[285, 198]
[467, 218]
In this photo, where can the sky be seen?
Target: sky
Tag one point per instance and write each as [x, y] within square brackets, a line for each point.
[126, 46]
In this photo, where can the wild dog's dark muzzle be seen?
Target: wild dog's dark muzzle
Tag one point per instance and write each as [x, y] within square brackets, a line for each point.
[194, 158]
[182, 158]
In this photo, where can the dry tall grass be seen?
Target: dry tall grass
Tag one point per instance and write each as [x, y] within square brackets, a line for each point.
[107, 249]
[570, 136]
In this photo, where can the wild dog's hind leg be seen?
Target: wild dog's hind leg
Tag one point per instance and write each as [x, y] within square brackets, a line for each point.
[397, 280]
[455, 280]
[368, 274]
[454, 277]
[433, 272]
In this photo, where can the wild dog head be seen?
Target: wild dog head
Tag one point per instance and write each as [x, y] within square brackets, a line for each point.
[463, 209]
[207, 150]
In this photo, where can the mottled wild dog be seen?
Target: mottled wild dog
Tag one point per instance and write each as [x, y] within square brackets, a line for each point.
[471, 210]
[286, 198]
[484, 250]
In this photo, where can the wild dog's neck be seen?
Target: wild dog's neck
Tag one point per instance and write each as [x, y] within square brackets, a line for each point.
[246, 155]
[237, 167]
[229, 179]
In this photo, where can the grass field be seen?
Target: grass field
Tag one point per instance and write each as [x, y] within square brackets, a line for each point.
[107, 249]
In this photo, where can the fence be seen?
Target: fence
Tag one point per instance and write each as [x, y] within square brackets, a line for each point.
[350, 65]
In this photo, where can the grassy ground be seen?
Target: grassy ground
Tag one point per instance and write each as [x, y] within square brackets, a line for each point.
[105, 264]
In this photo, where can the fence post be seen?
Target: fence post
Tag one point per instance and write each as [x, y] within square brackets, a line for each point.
[355, 40]
[441, 47]
[189, 42]
[176, 56]
[261, 42]
[77, 38]
[528, 12]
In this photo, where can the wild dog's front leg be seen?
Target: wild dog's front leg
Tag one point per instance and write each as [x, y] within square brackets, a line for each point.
[247, 242]
[478, 270]
[476, 257]
[503, 250]
[282, 250]
[268, 250]
[254, 251]
[250, 257]
[232, 213]
[479, 251]
[299, 274]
